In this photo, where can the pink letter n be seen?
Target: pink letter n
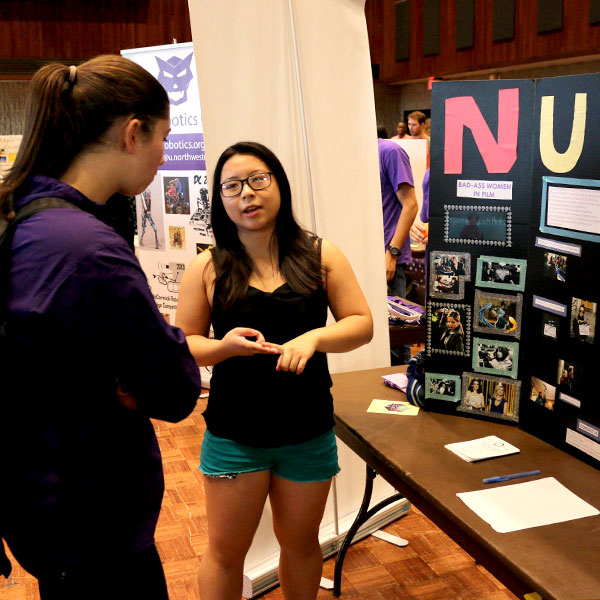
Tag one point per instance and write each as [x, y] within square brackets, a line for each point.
[499, 156]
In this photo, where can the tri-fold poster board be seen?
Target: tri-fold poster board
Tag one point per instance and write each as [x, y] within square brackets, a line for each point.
[514, 251]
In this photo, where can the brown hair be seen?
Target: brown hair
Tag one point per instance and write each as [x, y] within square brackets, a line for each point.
[418, 115]
[298, 256]
[70, 108]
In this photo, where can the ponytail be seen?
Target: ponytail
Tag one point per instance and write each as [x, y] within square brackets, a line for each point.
[70, 108]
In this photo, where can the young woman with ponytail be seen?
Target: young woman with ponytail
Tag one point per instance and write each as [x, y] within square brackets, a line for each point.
[88, 358]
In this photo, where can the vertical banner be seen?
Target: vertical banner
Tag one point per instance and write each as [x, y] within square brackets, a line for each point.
[295, 75]
[173, 213]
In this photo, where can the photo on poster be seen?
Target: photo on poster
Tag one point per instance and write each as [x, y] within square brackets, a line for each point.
[177, 237]
[497, 313]
[448, 273]
[569, 377]
[479, 225]
[442, 386]
[583, 320]
[501, 273]
[554, 266]
[497, 357]
[177, 195]
[490, 396]
[542, 393]
[550, 325]
[201, 221]
[149, 222]
[448, 329]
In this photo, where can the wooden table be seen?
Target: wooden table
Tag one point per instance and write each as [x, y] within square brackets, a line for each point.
[560, 561]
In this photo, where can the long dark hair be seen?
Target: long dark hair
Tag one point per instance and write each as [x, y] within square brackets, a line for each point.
[71, 108]
[298, 260]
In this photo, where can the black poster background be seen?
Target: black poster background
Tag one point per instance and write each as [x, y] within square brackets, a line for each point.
[538, 354]
[443, 191]
[582, 275]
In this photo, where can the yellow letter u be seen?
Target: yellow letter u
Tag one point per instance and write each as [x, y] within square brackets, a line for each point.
[556, 161]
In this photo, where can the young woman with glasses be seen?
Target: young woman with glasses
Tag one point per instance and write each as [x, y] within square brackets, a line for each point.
[266, 287]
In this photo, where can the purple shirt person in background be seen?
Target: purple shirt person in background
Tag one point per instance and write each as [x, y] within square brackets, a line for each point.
[400, 208]
[396, 174]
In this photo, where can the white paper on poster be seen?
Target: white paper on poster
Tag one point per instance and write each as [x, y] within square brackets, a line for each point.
[524, 505]
[583, 443]
[574, 208]
[574, 249]
[486, 190]
[569, 399]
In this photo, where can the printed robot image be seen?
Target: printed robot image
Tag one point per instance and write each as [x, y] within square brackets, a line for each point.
[202, 214]
[174, 196]
[147, 216]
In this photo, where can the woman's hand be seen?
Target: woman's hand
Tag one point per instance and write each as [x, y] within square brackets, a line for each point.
[296, 353]
[236, 342]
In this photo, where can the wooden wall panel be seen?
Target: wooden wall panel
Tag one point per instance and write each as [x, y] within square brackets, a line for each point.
[71, 29]
[577, 38]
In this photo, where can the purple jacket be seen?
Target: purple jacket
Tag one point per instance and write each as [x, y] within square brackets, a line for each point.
[82, 475]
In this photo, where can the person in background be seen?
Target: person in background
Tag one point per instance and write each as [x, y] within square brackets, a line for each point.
[266, 287]
[87, 357]
[419, 232]
[416, 125]
[416, 129]
[401, 131]
[399, 210]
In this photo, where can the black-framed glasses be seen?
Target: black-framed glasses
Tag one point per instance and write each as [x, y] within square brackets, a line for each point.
[258, 181]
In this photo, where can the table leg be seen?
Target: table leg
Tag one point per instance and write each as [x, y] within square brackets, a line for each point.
[362, 517]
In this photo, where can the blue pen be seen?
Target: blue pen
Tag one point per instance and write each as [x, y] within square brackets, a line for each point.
[512, 476]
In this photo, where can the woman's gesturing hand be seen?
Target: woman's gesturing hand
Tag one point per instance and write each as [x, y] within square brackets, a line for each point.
[296, 353]
[237, 343]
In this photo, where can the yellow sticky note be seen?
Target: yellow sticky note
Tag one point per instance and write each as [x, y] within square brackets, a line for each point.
[533, 596]
[392, 407]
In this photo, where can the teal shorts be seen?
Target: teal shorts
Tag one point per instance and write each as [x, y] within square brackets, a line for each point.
[315, 460]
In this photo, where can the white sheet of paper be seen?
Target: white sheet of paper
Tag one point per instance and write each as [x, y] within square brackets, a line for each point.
[490, 446]
[530, 504]
[390, 407]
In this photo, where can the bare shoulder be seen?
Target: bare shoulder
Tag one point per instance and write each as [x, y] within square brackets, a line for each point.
[331, 255]
[201, 266]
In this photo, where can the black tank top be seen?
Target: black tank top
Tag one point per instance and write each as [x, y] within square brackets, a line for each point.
[252, 403]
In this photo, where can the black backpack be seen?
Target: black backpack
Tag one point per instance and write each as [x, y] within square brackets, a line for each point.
[30, 209]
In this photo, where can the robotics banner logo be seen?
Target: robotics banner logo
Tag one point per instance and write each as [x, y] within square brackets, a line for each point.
[175, 76]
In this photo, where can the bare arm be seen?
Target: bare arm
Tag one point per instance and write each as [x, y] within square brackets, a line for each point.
[354, 323]
[194, 316]
[406, 196]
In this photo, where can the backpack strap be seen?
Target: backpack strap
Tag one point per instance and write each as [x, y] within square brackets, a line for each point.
[30, 209]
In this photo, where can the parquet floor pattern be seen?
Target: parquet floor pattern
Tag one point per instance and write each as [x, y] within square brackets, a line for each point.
[431, 567]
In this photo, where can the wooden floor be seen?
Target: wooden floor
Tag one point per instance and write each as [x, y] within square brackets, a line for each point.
[431, 567]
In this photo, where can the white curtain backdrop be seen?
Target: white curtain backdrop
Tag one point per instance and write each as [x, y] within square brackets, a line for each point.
[295, 75]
